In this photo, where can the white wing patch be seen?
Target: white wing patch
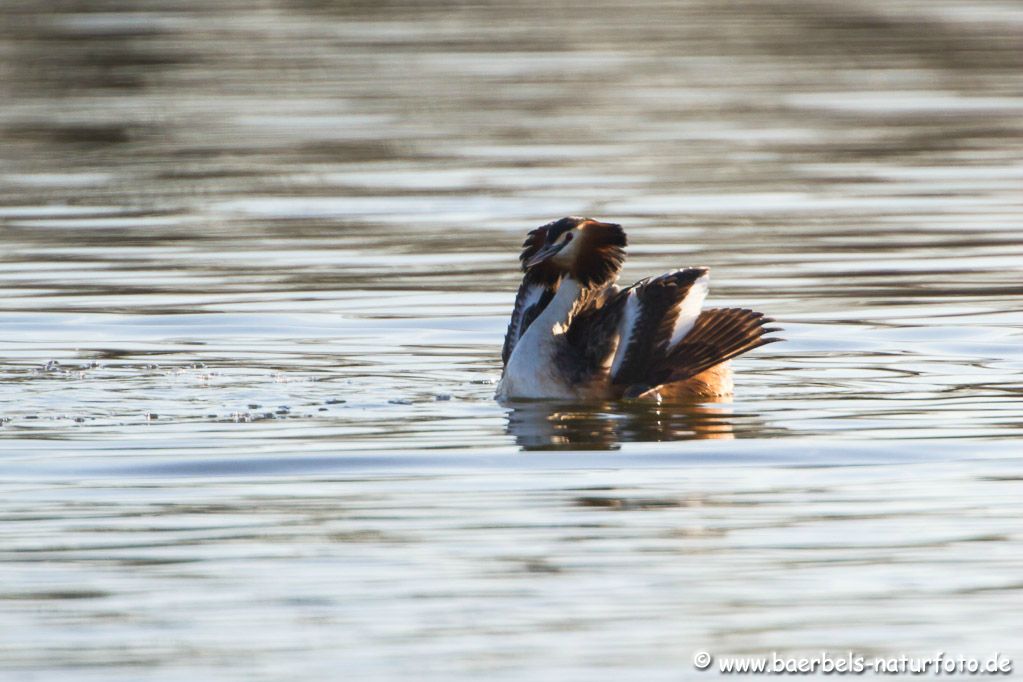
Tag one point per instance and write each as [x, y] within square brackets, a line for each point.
[690, 309]
[625, 328]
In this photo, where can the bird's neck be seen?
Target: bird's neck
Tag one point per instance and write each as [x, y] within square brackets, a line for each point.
[558, 314]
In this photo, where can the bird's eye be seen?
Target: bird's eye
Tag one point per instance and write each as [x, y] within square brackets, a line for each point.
[568, 237]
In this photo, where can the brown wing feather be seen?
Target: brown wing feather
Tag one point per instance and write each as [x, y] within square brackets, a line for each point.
[719, 334]
[593, 334]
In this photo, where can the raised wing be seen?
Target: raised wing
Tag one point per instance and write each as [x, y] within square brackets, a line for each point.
[666, 336]
[657, 314]
[718, 335]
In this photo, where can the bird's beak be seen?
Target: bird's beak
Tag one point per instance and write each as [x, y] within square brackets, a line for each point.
[543, 254]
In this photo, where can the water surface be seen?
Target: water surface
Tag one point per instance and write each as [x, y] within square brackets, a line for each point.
[258, 260]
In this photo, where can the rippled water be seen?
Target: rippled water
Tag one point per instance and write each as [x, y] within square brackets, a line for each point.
[258, 260]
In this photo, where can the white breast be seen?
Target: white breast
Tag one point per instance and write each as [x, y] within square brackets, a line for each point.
[532, 370]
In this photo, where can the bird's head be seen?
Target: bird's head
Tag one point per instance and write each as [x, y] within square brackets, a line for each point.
[589, 251]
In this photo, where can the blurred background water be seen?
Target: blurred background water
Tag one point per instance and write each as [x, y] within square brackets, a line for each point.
[257, 260]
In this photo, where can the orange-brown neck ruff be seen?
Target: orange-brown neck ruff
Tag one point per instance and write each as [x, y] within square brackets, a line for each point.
[597, 252]
[600, 254]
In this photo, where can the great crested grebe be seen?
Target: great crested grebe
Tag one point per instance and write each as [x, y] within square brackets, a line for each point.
[574, 334]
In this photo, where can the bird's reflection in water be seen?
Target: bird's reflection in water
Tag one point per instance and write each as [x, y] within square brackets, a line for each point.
[604, 426]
